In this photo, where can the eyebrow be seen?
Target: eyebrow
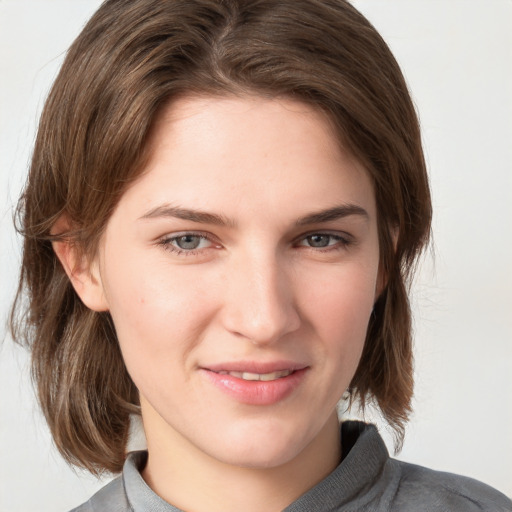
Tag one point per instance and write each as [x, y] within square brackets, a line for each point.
[334, 213]
[202, 217]
[199, 216]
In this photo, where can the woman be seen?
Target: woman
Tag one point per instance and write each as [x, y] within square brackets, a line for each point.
[225, 203]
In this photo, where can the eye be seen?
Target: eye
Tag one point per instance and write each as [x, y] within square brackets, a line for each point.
[186, 243]
[189, 242]
[320, 240]
[324, 241]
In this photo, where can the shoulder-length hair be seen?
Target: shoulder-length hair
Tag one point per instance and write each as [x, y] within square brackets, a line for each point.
[133, 57]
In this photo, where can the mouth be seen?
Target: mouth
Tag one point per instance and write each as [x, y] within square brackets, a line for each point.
[265, 377]
[256, 383]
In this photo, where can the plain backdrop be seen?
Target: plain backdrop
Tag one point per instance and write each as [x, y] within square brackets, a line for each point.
[457, 58]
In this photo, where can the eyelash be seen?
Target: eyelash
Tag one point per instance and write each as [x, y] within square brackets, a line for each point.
[167, 243]
[342, 242]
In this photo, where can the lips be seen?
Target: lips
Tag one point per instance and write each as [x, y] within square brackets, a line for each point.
[258, 367]
[256, 383]
[258, 376]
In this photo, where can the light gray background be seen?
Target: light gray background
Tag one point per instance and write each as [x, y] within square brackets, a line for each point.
[457, 57]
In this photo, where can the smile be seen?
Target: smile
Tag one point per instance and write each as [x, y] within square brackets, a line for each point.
[259, 386]
[266, 377]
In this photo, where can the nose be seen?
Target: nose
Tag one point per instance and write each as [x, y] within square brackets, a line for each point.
[259, 300]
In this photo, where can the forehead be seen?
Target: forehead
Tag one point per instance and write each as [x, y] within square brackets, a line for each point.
[251, 153]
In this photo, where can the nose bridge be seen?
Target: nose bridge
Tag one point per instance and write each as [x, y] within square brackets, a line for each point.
[260, 300]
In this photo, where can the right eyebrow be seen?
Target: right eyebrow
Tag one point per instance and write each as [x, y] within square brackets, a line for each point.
[167, 210]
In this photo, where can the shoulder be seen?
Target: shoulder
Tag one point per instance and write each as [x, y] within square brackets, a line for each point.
[438, 491]
[372, 481]
[112, 497]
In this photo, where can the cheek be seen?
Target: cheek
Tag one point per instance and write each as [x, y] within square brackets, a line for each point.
[157, 313]
[339, 308]
[347, 293]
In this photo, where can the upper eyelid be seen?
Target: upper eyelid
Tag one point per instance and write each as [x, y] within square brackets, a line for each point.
[326, 232]
[178, 234]
[167, 242]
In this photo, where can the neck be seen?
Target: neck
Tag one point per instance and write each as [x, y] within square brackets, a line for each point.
[191, 480]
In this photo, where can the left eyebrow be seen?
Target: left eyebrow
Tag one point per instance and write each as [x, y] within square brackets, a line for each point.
[335, 213]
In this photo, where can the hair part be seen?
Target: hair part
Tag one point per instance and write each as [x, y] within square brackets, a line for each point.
[132, 58]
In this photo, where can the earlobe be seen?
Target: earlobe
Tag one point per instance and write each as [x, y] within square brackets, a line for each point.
[83, 273]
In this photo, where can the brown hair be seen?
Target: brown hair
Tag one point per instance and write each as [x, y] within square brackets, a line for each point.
[133, 57]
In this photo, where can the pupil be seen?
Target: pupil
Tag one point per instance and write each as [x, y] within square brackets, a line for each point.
[188, 242]
[318, 240]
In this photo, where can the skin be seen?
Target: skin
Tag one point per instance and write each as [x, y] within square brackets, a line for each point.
[267, 282]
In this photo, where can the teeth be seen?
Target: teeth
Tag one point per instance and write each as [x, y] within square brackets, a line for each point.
[258, 376]
[275, 375]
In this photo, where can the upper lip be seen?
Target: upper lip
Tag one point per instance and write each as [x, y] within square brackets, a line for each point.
[259, 367]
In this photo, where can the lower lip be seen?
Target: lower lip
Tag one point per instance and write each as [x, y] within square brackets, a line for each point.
[256, 392]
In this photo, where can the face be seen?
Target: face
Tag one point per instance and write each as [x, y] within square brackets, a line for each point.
[240, 271]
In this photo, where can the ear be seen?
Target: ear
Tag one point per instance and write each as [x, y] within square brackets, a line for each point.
[83, 273]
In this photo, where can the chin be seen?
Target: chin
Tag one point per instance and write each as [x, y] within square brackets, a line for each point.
[261, 458]
[261, 447]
